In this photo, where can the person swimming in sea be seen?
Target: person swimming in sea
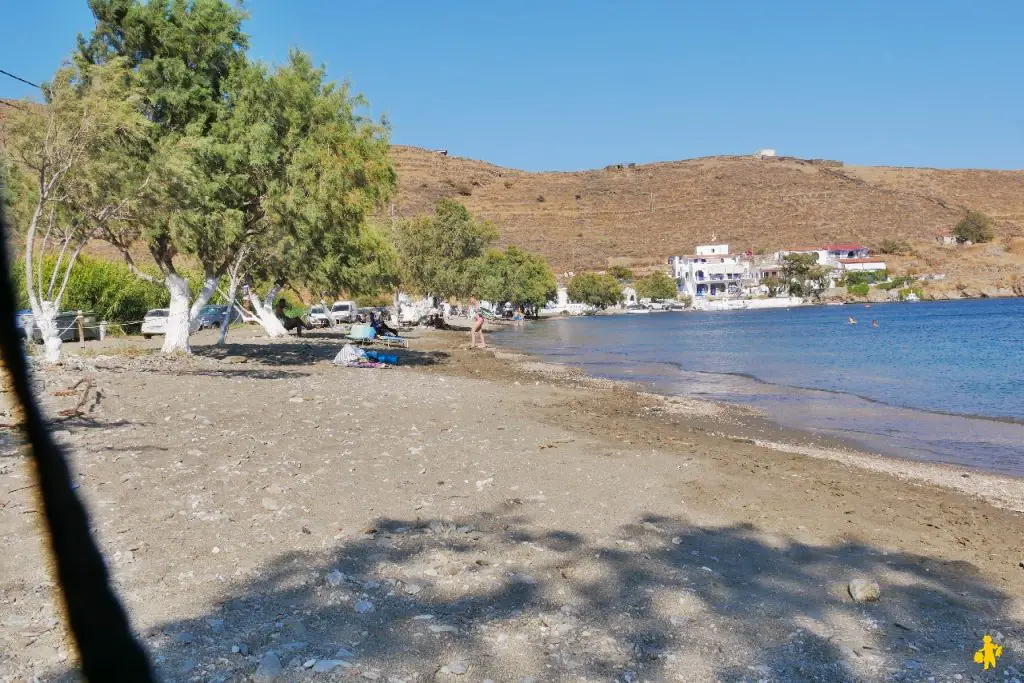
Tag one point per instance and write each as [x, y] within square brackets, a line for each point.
[851, 320]
[874, 323]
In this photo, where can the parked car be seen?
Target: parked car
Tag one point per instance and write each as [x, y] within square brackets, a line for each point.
[344, 311]
[318, 317]
[67, 326]
[155, 322]
[212, 315]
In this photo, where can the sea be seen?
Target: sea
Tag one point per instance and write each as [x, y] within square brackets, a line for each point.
[940, 382]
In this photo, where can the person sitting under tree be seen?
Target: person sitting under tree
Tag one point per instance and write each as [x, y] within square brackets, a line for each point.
[297, 323]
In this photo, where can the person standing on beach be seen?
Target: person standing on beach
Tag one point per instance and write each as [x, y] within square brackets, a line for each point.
[476, 324]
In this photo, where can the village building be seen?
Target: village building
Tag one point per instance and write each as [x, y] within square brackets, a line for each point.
[869, 264]
[711, 271]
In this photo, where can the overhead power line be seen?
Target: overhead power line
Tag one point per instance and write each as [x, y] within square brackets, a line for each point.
[19, 78]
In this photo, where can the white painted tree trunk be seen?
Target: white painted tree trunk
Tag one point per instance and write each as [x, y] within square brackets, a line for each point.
[209, 285]
[44, 313]
[178, 322]
[226, 322]
[265, 312]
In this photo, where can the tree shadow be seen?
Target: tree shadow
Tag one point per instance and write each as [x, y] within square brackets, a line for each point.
[296, 353]
[660, 599]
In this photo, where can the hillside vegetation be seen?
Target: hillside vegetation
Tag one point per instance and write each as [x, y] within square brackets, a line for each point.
[641, 215]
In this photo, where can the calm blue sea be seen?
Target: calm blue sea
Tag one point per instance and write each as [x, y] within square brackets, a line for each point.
[940, 381]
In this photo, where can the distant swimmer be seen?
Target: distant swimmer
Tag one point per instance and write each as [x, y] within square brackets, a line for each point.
[852, 320]
[874, 323]
[867, 305]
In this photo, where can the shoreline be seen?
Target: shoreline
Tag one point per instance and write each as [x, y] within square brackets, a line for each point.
[483, 511]
[1005, 491]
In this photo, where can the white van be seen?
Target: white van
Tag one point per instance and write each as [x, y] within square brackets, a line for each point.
[344, 311]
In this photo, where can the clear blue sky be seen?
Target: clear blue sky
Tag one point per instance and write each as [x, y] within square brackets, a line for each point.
[561, 85]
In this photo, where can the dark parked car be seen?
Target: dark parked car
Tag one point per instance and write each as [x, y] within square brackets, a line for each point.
[213, 314]
[68, 328]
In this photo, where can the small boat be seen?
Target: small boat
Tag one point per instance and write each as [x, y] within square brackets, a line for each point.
[851, 320]
[638, 309]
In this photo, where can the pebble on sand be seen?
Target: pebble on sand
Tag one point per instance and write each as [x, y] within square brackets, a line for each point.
[864, 590]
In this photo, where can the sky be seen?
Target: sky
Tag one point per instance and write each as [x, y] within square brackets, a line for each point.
[575, 84]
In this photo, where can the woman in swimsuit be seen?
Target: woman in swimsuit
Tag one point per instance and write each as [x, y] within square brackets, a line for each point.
[476, 325]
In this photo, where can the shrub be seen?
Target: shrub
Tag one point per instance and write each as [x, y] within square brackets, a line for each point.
[891, 246]
[106, 288]
[621, 273]
[858, 289]
[974, 227]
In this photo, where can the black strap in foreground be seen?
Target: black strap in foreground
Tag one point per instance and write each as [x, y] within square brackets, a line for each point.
[107, 649]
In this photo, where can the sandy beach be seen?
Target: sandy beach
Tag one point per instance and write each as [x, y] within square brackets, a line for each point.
[477, 515]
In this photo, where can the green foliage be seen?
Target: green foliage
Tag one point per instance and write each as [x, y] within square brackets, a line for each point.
[657, 285]
[514, 275]
[907, 291]
[373, 301]
[974, 227]
[774, 285]
[897, 282]
[893, 246]
[803, 276]
[243, 156]
[860, 289]
[594, 289]
[438, 253]
[865, 277]
[621, 273]
[106, 288]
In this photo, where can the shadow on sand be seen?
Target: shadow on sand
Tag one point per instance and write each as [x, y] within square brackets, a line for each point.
[659, 600]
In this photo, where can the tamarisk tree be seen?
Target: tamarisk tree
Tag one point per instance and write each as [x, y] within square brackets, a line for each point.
[273, 162]
[77, 150]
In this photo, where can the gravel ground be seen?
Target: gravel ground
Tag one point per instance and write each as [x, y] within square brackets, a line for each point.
[467, 517]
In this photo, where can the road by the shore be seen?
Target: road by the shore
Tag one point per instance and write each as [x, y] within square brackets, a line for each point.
[472, 516]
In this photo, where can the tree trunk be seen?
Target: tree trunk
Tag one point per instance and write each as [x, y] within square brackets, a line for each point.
[209, 285]
[226, 322]
[265, 312]
[178, 322]
[44, 313]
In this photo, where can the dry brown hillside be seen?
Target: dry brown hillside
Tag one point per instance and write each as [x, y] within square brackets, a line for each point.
[588, 219]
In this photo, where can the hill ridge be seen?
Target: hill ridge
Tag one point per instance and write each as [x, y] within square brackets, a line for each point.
[645, 213]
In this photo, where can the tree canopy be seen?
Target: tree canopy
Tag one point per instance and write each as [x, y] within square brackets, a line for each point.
[276, 164]
[439, 253]
[621, 273]
[595, 290]
[657, 285]
[514, 275]
[974, 227]
[803, 276]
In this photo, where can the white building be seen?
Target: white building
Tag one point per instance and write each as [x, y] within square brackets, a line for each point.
[868, 264]
[710, 271]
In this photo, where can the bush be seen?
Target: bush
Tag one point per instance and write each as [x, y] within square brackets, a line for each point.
[974, 227]
[859, 277]
[898, 282]
[621, 273]
[891, 246]
[106, 288]
[858, 289]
